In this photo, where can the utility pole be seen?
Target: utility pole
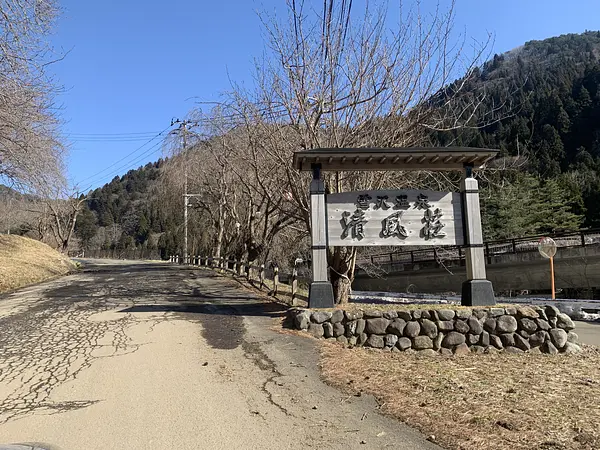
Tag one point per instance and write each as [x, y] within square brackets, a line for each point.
[185, 196]
[183, 127]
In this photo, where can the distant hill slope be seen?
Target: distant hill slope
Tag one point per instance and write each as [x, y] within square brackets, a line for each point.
[25, 261]
[7, 192]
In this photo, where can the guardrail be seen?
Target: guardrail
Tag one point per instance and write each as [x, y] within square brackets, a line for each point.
[260, 276]
[491, 248]
[576, 308]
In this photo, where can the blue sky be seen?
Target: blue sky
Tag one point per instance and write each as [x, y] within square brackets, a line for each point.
[133, 65]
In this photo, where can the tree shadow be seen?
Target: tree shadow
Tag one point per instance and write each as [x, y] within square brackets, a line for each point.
[239, 308]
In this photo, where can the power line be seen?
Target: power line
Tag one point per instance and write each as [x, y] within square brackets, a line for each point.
[129, 139]
[149, 133]
[94, 176]
[128, 155]
[99, 177]
[128, 166]
[110, 137]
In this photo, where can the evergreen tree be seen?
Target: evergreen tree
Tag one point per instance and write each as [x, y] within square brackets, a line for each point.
[530, 206]
[85, 226]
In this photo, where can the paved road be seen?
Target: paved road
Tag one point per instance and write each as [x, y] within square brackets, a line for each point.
[153, 356]
[588, 332]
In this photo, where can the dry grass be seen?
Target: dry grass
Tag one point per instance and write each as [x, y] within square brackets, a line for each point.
[284, 291]
[480, 402]
[25, 261]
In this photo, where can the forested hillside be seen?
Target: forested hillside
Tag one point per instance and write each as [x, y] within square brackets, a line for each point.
[125, 215]
[550, 137]
[553, 125]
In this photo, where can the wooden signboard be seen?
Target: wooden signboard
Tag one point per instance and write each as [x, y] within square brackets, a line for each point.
[406, 217]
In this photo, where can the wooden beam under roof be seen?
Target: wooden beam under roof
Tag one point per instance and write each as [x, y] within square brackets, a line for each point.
[415, 158]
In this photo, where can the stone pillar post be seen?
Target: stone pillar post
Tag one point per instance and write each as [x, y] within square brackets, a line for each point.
[477, 290]
[320, 294]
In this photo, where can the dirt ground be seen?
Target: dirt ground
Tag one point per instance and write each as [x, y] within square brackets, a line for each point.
[480, 402]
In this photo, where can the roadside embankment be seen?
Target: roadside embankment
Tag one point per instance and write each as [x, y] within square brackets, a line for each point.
[25, 261]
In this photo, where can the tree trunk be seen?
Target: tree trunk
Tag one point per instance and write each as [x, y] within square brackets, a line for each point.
[219, 239]
[341, 290]
[67, 239]
[342, 273]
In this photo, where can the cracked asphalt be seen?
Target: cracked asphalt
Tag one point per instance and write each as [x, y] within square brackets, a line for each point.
[134, 355]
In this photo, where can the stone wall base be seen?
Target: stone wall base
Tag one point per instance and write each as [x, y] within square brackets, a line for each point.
[533, 329]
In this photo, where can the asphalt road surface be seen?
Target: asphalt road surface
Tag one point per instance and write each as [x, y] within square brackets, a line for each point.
[155, 356]
[588, 332]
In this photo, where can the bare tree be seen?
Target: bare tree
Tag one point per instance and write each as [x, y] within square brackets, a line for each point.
[334, 79]
[15, 215]
[58, 207]
[231, 189]
[62, 219]
[330, 79]
[30, 149]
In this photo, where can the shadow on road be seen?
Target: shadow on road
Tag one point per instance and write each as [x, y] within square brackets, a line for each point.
[222, 324]
[127, 268]
[241, 308]
[217, 303]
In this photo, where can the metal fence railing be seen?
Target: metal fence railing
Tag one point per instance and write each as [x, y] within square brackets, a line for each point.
[491, 248]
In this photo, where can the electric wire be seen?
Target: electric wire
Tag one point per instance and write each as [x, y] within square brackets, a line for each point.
[149, 133]
[127, 166]
[128, 137]
[95, 175]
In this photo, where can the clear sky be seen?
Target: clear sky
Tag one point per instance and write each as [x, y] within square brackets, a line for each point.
[133, 65]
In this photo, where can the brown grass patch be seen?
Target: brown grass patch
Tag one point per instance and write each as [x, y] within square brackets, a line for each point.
[25, 261]
[284, 291]
[480, 402]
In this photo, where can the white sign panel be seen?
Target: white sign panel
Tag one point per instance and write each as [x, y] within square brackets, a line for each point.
[367, 218]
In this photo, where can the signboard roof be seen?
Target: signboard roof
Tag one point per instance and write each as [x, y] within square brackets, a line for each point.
[414, 158]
